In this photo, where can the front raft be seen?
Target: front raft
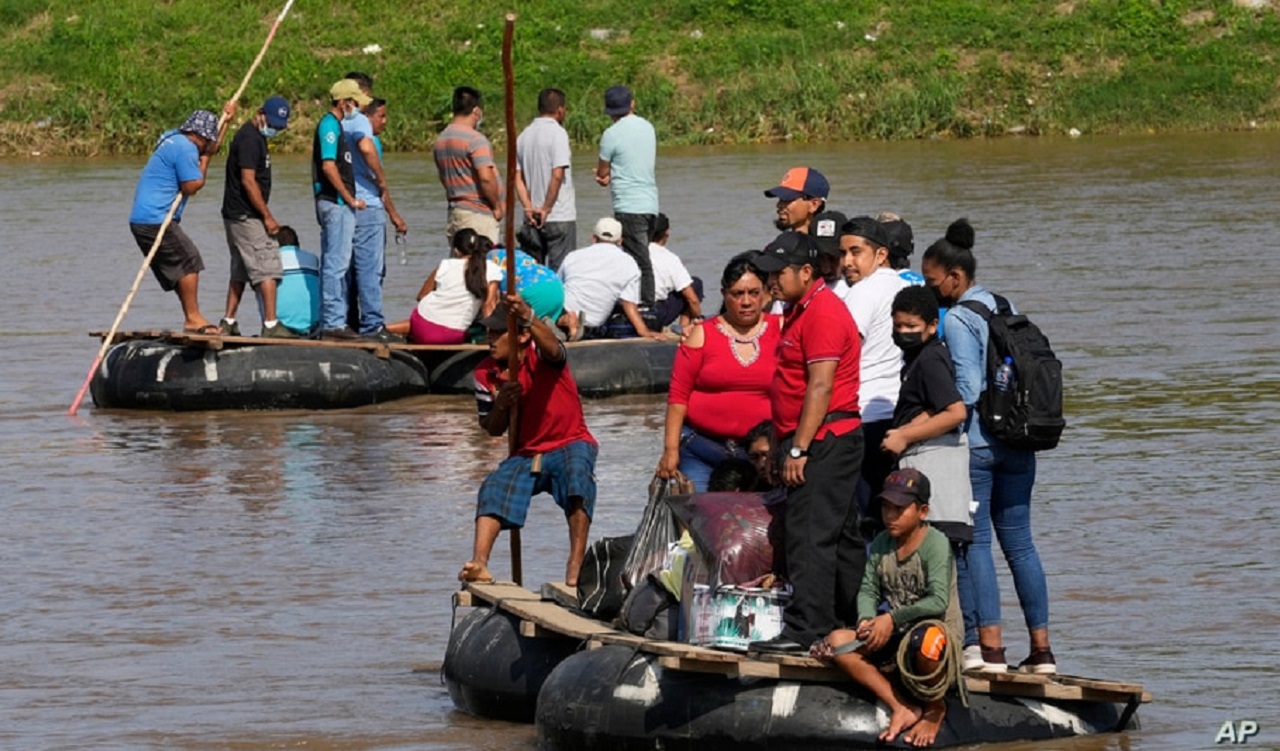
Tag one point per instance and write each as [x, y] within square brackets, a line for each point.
[194, 372]
[624, 692]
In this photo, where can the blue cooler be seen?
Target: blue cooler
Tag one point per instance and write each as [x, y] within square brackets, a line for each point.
[298, 296]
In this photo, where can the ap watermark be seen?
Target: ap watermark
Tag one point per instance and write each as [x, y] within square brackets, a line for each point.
[1236, 732]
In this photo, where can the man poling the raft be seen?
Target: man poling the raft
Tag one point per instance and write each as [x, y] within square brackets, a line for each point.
[524, 388]
[553, 450]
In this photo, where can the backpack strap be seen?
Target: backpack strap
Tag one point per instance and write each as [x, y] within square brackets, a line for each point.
[979, 308]
[1002, 307]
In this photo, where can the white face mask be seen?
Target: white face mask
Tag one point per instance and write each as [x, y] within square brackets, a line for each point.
[480, 119]
[269, 131]
[351, 113]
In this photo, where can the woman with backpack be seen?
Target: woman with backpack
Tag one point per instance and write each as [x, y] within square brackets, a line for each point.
[1002, 476]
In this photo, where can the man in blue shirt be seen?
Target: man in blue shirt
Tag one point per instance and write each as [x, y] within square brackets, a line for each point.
[368, 266]
[628, 153]
[177, 166]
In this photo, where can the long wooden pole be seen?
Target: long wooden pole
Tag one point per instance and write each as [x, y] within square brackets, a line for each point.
[509, 237]
[168, 219]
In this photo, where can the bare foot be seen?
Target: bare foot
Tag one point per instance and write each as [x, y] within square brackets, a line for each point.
[571, 569]
[924, 732]
[475, 572]
[904, 717]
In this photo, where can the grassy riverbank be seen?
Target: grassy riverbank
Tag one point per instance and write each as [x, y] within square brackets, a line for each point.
[107, 77]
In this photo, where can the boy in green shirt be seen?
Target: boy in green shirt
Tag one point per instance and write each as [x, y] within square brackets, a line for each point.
[911, 568]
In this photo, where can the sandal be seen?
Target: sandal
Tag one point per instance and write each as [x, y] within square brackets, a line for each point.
[209, 329]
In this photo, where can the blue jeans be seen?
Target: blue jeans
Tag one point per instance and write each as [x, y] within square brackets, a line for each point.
[699, 456]
[1002, 479]
[370, 248]
[337, 228]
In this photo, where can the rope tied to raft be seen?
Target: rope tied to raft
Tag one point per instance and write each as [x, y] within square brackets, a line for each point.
[934, 685]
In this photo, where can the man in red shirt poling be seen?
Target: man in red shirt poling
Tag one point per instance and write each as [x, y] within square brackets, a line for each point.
[554, 452]
[818, 434]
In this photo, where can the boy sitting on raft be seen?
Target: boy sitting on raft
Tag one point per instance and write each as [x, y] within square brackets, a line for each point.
[910, 566]
[554, 452]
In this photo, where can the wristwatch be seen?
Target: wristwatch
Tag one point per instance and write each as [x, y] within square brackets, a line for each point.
[796, 452]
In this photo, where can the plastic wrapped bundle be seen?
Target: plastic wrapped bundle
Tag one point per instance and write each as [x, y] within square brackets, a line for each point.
[741, 534]
[657, 533]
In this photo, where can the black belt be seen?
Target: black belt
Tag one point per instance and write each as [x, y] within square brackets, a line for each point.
[829, 418]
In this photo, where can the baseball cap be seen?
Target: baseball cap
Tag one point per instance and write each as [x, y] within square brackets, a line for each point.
[203, 123]
[901, 239]
[800, 181]
[277, 111]
[904, 487]
[825, 230]
[608, 229]
[495, 321]
[617, 100]
[868, 228]
[348, 89]
[787, 249]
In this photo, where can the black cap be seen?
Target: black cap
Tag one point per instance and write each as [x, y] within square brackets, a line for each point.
[868, 228]
[495, 321]
[787, 249]
[901, 240]
[825, 230]
[904, 487]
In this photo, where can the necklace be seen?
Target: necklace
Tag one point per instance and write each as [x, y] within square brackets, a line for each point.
[751, 340]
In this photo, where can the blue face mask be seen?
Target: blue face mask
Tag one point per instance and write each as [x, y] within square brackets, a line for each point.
[350, 114]
[269, 131]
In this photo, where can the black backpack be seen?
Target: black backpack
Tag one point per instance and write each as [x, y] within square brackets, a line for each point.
[600, 586]
[1028, 416]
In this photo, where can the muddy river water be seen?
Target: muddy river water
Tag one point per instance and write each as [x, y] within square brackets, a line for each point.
[252, 581]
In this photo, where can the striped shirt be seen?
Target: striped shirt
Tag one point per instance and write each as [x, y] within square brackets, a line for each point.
[460, 154]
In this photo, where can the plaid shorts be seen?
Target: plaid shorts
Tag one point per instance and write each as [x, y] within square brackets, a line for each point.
[567, 472]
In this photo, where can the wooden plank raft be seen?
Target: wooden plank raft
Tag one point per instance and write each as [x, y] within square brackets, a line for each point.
[218, 342]
[549, 614]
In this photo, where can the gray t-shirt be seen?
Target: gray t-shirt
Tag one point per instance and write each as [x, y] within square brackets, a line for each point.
[542, 147]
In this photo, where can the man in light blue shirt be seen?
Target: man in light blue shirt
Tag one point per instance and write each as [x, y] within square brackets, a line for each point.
[628, 153]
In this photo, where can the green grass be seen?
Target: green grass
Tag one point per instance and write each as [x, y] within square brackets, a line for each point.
[107, 77]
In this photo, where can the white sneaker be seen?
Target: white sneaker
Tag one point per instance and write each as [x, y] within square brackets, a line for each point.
[973, 658]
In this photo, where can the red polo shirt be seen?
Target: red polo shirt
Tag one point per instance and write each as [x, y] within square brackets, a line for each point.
[816, 328]
[550, 408]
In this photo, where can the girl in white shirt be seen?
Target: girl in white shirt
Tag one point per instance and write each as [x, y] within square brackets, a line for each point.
[461, 289]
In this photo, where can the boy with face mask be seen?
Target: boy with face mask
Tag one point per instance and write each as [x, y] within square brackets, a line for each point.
[926, 431]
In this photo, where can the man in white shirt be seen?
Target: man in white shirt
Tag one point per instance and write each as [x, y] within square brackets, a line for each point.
[872, 286]
[598, 279]
[676, 293]
[544, 183]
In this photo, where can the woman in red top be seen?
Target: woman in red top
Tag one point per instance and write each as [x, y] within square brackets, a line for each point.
[720, 381]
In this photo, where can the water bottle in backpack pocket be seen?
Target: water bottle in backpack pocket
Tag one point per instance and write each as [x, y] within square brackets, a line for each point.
[1002, 397]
